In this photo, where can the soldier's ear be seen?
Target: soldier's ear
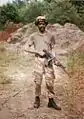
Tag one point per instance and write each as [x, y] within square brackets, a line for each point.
[36, 23]
[46, 22]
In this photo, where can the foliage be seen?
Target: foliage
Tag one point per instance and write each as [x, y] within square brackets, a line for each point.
[79, 5]
[60, 11]
[33, 10]
[8, 12]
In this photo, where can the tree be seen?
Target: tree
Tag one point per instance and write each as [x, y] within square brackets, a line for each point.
[33, 10]
[79, 5]
[8, 12]
[61, 12]
[57, 11]
[47, 1]
[18, 3]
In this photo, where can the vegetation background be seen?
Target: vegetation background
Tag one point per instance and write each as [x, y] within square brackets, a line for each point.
[56, 11]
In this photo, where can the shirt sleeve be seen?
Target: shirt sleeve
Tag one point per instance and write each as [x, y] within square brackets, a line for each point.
[29, 43]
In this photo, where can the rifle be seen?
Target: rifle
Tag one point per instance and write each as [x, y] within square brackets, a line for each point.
[33, 52]
[50, 59]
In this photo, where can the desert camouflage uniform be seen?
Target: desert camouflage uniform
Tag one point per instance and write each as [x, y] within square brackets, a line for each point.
[40, 42]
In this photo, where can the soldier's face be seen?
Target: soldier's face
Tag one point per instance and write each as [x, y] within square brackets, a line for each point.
[41, 26]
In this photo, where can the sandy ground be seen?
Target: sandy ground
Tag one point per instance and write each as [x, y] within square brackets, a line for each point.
[16, 99]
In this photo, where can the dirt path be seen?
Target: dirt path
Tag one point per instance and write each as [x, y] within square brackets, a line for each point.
[16, 99]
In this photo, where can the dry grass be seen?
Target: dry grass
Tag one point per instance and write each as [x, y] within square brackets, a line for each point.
[5, 59]
[76, 69]
[4, 79]
[76, 62]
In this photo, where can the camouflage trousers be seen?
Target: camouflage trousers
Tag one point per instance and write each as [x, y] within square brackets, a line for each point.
[48, 73]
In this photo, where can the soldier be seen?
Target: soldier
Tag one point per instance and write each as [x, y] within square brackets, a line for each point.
[39, 41]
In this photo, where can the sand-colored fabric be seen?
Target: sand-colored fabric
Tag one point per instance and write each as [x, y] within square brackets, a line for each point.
[48, 72]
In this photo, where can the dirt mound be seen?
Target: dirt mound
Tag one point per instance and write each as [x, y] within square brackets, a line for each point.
[68, 37]
[22, 34]
[81, 47]
[9, 28]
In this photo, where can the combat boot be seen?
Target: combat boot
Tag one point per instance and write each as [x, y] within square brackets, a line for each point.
[52, 104]
[37, 102]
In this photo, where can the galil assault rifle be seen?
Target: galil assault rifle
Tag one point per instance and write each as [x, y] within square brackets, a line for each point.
[49, 58]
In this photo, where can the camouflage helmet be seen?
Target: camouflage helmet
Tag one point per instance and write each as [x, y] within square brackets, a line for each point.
[41, 18]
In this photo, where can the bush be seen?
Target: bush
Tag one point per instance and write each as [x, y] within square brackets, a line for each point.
[62, 12]
[8, 13]
[57, 11]
[33, 10]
